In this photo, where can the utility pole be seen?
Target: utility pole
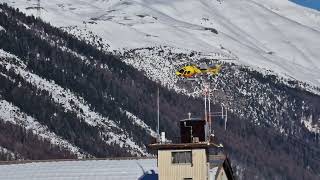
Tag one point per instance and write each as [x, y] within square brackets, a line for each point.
[209, 109]
[207, 134]
[158, 113]
[38, 9]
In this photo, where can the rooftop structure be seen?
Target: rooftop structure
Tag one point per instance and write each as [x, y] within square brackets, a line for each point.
[196, 156]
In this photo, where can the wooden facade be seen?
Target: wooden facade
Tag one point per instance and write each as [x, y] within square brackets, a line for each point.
[168, 170]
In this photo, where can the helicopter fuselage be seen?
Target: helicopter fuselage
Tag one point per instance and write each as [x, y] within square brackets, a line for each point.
[191, 71]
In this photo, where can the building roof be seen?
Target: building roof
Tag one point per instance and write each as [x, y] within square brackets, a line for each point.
[200, 145]
[142, 169]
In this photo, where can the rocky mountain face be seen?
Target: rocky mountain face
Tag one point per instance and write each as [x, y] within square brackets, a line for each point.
[63, 96]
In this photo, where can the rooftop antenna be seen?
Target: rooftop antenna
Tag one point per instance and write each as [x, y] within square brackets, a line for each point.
[205, 110]
[209, 109]
[158, 114]
[226, 119]
[224, 115]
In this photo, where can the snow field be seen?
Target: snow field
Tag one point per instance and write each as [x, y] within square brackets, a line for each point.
[84, 170]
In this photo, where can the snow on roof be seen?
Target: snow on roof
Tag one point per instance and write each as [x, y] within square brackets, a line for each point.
[142, 169]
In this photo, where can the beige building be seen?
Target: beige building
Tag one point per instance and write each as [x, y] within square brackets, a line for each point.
[195, 157]
[191, 161]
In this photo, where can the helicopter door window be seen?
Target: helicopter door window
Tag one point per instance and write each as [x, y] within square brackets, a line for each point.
[188, 72]
[181, 71]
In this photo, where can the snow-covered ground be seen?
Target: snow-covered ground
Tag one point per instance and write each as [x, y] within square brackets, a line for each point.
[276, 35]
[86, 170]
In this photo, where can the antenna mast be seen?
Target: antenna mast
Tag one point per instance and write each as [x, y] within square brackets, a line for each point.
[226, 119]
[205, 105]
[158, 113]
[207, 109]
[209, 114]
[38, 9]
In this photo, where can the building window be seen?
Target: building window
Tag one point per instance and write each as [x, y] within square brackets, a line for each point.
[187, 178]
[181, 157]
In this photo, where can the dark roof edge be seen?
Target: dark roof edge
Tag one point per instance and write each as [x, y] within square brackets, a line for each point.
[203, 145]
[228, 169]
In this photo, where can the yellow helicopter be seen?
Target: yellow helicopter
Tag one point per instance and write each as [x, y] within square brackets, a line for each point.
[192, 70]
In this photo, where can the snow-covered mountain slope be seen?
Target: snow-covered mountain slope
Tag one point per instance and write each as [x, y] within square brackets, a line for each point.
[144, 169]
[88, 97]
[12, 114]
[275, 35]
[69, 101]
[72, 115]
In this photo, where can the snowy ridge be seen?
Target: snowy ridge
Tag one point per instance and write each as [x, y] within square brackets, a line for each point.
[288, 9]
[88, 36]
[12, 114]
[139, 122]
[160, 63]
[273, 38]
[65, 97]
[62, 46]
